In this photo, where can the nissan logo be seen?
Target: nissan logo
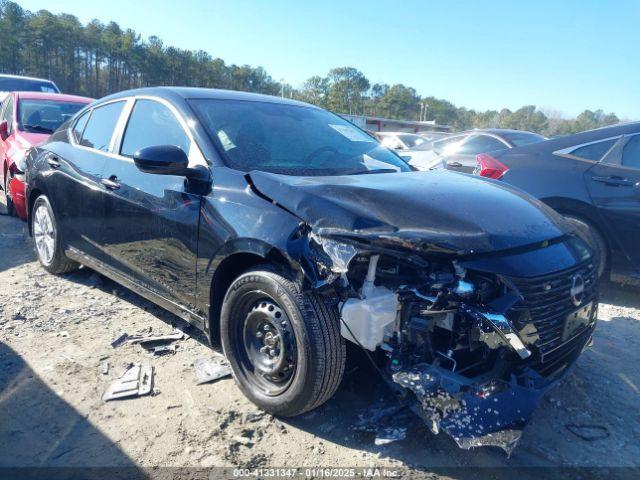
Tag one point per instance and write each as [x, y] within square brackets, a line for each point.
[577, 289]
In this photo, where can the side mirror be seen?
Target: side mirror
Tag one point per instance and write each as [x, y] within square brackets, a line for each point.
[161, 160]
[4, 130]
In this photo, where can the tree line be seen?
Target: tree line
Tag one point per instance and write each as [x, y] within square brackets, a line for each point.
[97, 59]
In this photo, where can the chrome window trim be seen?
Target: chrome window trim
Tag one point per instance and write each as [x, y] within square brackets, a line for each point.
[566, 152]
[195, 154]
[72, 139]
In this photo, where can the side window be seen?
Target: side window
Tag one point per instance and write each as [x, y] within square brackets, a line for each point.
[631, 153]
[481, 144]
[99, 129]
[595, 151]
[151, 123]
[78, 127]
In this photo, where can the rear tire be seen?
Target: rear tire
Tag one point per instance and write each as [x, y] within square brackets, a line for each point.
[47, 239]
[594, 238]
[283, 343]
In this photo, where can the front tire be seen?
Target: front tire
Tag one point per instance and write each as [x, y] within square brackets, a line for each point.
[283, 343]
[47, 239]
[594, 238]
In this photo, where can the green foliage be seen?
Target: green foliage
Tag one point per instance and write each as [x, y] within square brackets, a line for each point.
[97, 59]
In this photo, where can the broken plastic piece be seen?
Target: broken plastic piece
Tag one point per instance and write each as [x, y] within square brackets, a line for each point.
[207, 370]
[135, 381]
[389, 435]
[160, 349]
[119, 340]
[148, 341]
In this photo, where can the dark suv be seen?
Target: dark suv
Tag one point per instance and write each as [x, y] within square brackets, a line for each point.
[283, 230]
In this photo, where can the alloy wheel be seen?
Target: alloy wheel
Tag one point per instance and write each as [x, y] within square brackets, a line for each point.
[44, 233]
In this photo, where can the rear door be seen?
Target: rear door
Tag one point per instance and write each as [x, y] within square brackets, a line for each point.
[614, 186]
[463, 159]
[151, 221]
[75, 172]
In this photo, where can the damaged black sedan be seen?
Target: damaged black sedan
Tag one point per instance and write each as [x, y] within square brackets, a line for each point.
[284, 231]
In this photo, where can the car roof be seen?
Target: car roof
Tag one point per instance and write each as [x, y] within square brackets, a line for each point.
[5, 75]
[496, 131]
[53, 96]
[587, 136]
[204, 93]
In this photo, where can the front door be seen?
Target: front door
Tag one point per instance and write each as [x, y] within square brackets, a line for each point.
[614, 185]
[151, 221]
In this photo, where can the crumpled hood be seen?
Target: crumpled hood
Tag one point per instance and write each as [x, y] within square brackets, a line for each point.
[436, 210]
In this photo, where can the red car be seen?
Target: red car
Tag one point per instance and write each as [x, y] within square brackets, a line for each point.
[27, 119]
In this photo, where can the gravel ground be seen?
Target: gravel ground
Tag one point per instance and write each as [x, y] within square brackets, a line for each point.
[55, 336]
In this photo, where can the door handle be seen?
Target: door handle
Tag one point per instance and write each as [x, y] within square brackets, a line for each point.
[110, 183]
[614, 181]
[53, 161]
[454, 164]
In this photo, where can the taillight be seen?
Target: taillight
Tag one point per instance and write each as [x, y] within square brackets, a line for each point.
[487, 166]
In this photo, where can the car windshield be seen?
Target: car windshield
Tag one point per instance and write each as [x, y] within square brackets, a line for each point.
[523, 138]
[291, 139]
[10, 84]
[44, 116]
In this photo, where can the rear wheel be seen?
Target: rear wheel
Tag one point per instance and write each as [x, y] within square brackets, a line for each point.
[46, 239]
[594, 238]
[283, 344]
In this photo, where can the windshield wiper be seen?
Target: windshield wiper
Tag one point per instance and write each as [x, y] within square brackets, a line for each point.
[38, 129]
[378, 170]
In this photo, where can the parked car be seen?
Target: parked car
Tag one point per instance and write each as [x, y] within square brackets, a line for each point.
[27, 119]
[411, 147]
[17, 83]
[433, 136]
[593, 179]
[400, 140]
[458, 152]
[284, 231]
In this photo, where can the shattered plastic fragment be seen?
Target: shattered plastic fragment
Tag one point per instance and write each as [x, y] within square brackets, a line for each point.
[389, 435]
[340, 253]
[135, 381]
[504, 439]
[208, 371]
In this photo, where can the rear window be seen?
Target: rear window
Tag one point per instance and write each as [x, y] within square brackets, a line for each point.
[594, 151]
[631, 153]
[9, 84]
[99, 130]
[523, 138]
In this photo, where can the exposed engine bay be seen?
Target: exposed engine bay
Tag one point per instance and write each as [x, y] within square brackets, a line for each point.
[470, 317]
[459, 345]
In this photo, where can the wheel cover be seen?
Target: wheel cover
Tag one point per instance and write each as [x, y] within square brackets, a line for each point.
[267, 345]
[44, 233]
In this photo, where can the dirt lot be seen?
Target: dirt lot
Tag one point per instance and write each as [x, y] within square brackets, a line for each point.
[55, 332]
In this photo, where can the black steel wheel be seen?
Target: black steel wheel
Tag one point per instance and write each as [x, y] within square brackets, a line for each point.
[283, 344]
